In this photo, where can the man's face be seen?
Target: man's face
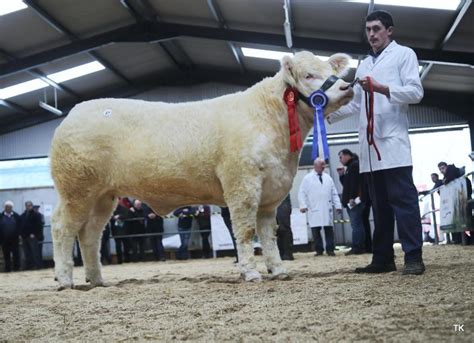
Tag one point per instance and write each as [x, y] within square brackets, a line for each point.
[377, 35]
[319, 166]
[442, 169]
[28, 206]
[344, 159]
[8, 209]
[137, 204]
[434, 178]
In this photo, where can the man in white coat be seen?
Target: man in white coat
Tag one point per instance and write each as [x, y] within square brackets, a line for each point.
[393, 69]
[317, 197]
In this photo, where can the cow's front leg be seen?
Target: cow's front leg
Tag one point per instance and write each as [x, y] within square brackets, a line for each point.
[266, 231]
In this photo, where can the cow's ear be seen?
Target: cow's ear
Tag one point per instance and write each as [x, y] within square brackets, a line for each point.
[288, 68]
[340, 64]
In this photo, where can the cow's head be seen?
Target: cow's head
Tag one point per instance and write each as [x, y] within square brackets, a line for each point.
[307, 73]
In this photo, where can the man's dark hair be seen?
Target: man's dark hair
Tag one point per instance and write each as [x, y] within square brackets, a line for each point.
[442, 164]
[346, 152]
[384, 17]
[435, 174]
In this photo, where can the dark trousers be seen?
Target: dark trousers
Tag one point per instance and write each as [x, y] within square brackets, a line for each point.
[358, 229]
[184, 235]
[393, 196]
[206, 247]
[138, 248]
[228, 224]
[284, 234]
[31, 249]
[318, 239]
[366, 221]
[122, 248]
[158, 249]
[11, 251]
[105, 246]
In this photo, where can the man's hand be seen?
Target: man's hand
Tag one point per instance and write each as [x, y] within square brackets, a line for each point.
[151, 215]
[303, 210]
[378, 87]
[340, 171]
[32, 236]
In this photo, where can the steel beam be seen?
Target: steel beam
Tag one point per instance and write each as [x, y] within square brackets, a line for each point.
[455, 23]
[153, 32]
[217, 14]
[53, 22]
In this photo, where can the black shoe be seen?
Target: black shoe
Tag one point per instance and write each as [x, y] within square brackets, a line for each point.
[414, 268]
[287, 258]
[318, 253]
[331, 253]
[377, 268]
[354, 252]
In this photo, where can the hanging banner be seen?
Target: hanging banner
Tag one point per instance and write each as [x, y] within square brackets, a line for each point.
[221, 239]
[299, 227]
[453, 208]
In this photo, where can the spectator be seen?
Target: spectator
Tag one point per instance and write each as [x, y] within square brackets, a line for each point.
[284, 234]
[203, 217]
[31, 233]
[317, 196]
[437, 182]
[225, 213]
[352, 198]
[122, 246]
[135, 225]
[185, 223]
[155, 225]
[105, 244]
[40, 243]
[10, 237]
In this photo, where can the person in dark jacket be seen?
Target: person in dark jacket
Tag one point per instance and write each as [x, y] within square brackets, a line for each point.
[284, 233]
[351, 181]
[225, 213]
[185, 223]
[154, 224]
[41, 236]
[203, 218]
[10, 237]
[122, 246]
[31, 234]
[135, 225]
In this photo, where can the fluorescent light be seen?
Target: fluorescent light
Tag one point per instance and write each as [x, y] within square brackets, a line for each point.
[75, 72]
[268, 54]
[278, 55]
[449, 5]
[22, 88]
[58, 77]
[9, 6]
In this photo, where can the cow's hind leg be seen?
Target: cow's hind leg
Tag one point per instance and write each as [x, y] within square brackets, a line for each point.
[90, 238]
[266, 231]
[68, 219]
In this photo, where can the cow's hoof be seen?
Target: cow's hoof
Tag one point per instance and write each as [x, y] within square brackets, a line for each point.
[281, 276]
[279, 273]
[252, 276]
[65, 286]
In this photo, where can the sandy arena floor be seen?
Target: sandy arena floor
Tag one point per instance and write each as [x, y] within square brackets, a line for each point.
[204, 300]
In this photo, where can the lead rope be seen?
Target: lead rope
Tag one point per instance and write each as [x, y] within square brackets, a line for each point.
[369, 111]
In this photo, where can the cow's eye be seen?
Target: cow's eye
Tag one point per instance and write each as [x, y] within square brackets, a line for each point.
[309, 76]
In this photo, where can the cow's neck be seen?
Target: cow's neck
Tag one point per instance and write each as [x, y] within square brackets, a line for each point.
[270, 96]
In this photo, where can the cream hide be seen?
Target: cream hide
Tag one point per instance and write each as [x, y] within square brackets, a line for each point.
[232, 150]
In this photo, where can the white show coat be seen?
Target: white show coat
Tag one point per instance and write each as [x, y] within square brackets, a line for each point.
[319, 199]
[397, 68]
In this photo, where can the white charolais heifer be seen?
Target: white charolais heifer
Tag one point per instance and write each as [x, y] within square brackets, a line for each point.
[232, 150]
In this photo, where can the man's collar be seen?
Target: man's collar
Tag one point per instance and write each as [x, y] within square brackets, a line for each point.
[378, 53]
